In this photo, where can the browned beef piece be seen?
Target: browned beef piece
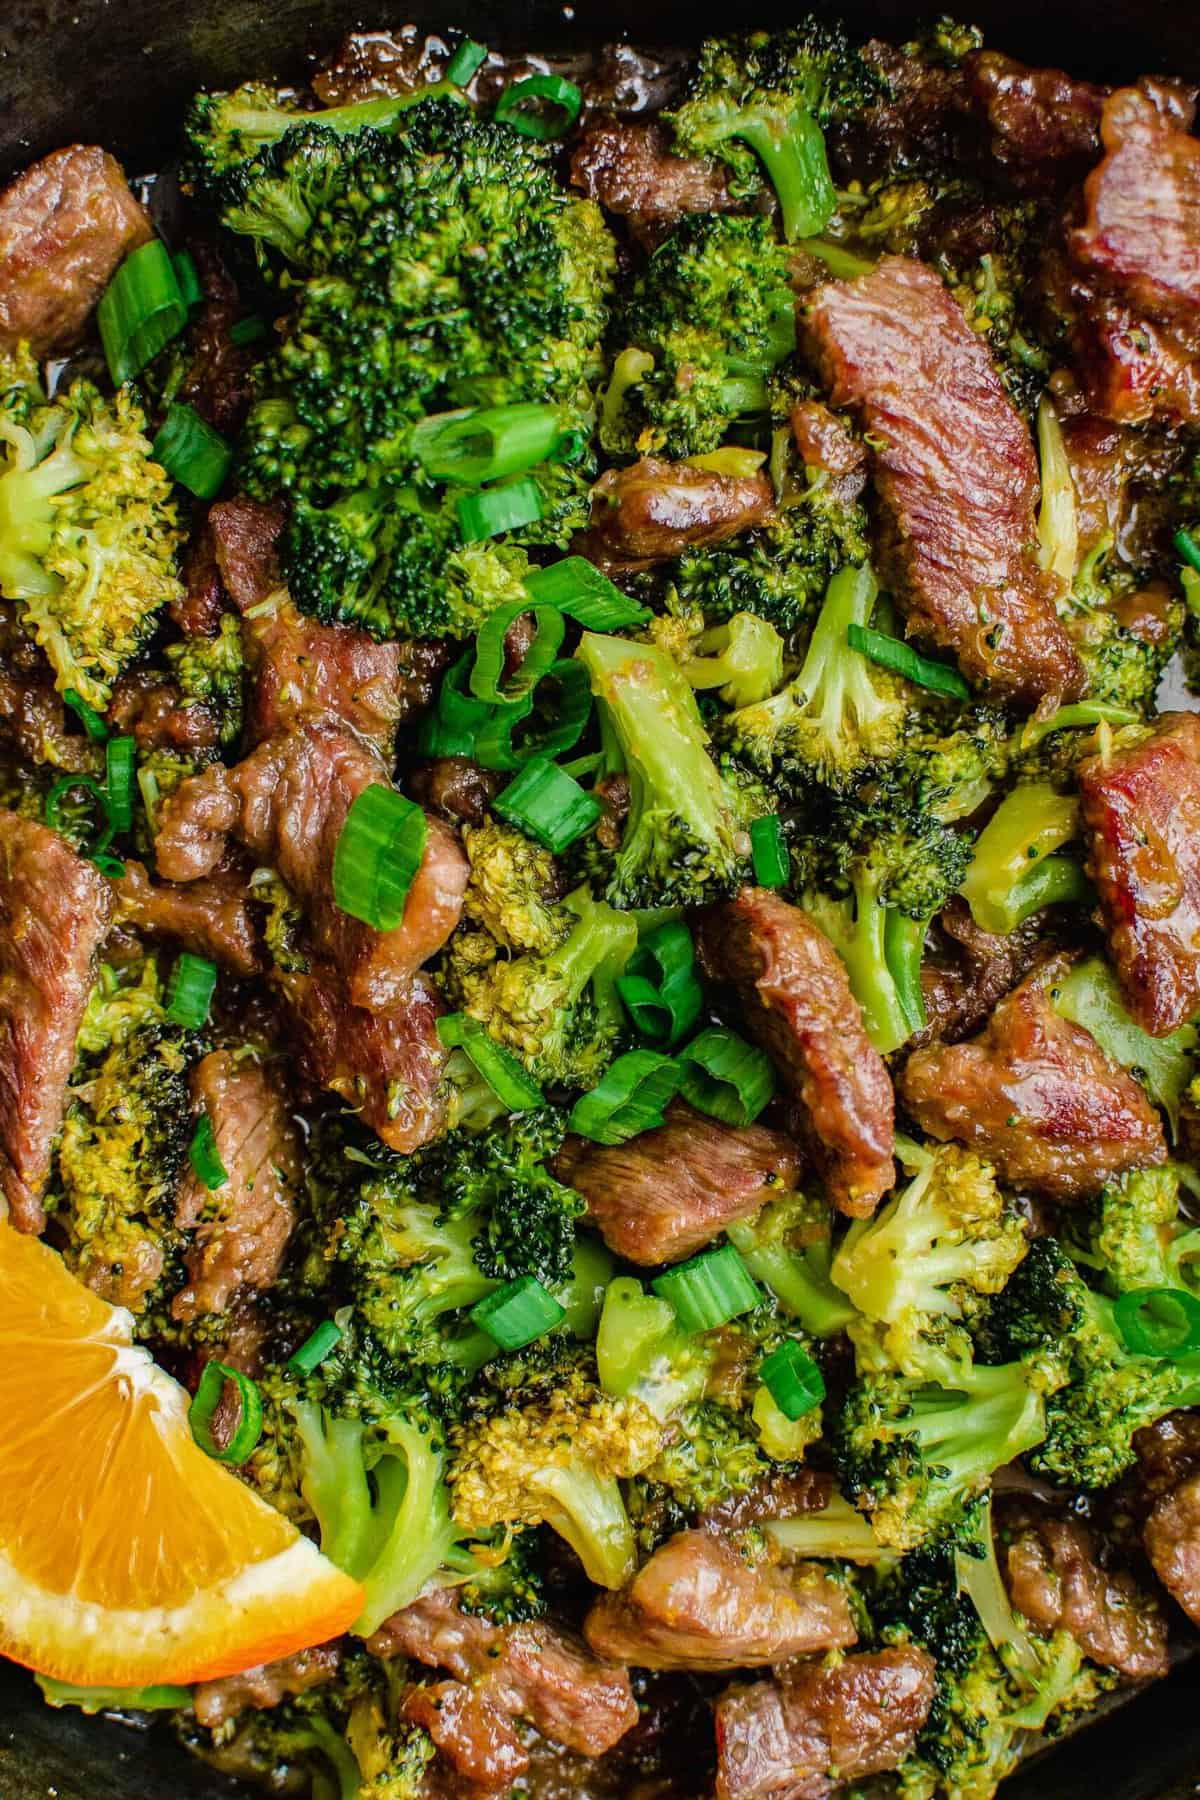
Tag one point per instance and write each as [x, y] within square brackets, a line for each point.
[1141, 811]
[1172, 1539]
[240, 1229]
[653, 510]
[1038, 117]
[1167, 1451]
[1132, 369]
[54, 910]
[969, 969]
[830, 449]
[536, 1671]
[245, 537]
[215, 1703]
[1037, 1096]
[210, 917]
[613, 793]
[219, 381]
[920, 119]
[805, 1734]
[287, 803]
[633, 172]
[698, 1605]
[1103, 457]
[797, 1003]
[155, 713]
[1056, 1579]
[386, 1065]
[668, 1192]
[65, 225]
[455, 788]
[33, 718]
[955, 472]
[198, 612]
[776, 1496]
[1141, 232]
[474, 1736]
[372, 64]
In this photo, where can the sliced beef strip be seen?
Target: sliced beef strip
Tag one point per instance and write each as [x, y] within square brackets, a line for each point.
[1056, 1579]
[245, 540]
[797, 1004]
[698, 1605]
[474, 1736]
[65, 225]
[968, 970]
[287, 803]
[387, 1066]
[1042, 121]
[814, 1728]
[215, 1703]
[669, 1192]
[653, 510]
[829, 449]
[1141, 813]
[54, 911]
[219, 382]
[1167, 1451]
[1037, 1096]
[1133, 370]
[240, 1229]
[1141, 230]
[198, 611]
[955, 472]
[536, 1671]
[455, 788]
[210, 917]
[633, 172]
[777, 1496]
[1172, 1539]
[33, 718]
[154, 712]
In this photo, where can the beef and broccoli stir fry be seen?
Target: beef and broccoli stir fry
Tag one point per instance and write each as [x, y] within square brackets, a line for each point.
[600, 889]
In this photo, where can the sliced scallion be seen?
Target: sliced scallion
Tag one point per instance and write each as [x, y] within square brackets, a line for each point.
[188, 277]
[315, 1348]
[191, 452]
[659, 988]
[87, 715]
[493, 511]
[119, 782]
[494, 746]
[190, 990]
[629, 1098]
[517, 1313]
[489, 443]
[205, 1158]
[140, 311]
[548, 805]
[1159, 1321]
[498, 1066]
[576, 587]
[726, 1077]
[450, 727]
[248, 330]
[467, 60]
[543, 107]
[708, 1290]
[97, 798]
[892, 653]
[487, 671]
[793, 1380]
[209, 1398]
[379, 851]
[1188, 548]
[769, 852]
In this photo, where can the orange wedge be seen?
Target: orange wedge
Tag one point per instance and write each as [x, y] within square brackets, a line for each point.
[127, 1556]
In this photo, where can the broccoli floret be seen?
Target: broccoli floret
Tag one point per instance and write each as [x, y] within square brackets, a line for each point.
[1015, 870]
[88, 531]
[643, 1353]
[709, 1456]
[1123, 668]
[788, 1247]
[540, 1442]
[840, 714]
[1133, 1236]
[211, 673]
[685, 840]
[706, 319]
[1090, 995]
[768, 95]
[512, 1591]
[227, 130]
[742, 658]
[937, 1245]
[509, 889]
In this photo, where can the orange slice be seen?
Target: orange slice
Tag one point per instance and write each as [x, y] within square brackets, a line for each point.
[127, 1556]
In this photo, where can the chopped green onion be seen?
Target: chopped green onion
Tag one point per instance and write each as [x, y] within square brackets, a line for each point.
[248, 330]
[140, 311]
[450, 728]
[891, 653]
[87, 715]
[726, 1077]
[1159, 1321]
[1188, 548]
[119, 782]
[379, 851]
[315, 1348]
[190, 990]
[495, 510]
[576, 587]
[191, 452]
[205, 1158]
[517, 1313]
[98, 798]
[518, 106]
[488, 667]
[160, 1698]
[494, 746]
[498, 1066]
[708, 1290]
[769, 851]
[629, 1098]
[203, 1411]
[659, 988]
[793, 1380]
[466, 61]
[478, 445]
[547, 805]
[188, 277]
[108, 865]
[1081, 715]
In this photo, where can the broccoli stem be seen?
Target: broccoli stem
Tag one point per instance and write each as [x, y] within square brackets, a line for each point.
[792, 151]
[1090, 997]
[799, 1280]
[858, 928]
[412, 1532]
[835, 680]
[335, 1484]
[1002, 885]
[839, 1529]
[595, 952]
[629, 370]
[903, 949]
[588, 1511]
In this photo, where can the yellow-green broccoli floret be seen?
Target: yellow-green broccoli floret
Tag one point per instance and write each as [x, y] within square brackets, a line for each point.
[507, 890]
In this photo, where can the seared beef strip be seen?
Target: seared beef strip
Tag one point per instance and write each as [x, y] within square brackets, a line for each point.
[241, 1229]
[535, 1671]
[796, 1002]
[968, 970]
[653, 510]
[955, 472]
[1037, 1096]
[778, 1496]
[633, 172]
[1055, 1578]
[54, 911]
[697, 1604]
[65, 225]
[1141, 812]
[155, 714]
[801, 1736]
[198, 611]
[455, 788]
[668, 1192]
[215, 1703]
[1172, 1539]
[219, 383]
[33, 718]
[210, 917]
[1042, 120]
[474, 1736]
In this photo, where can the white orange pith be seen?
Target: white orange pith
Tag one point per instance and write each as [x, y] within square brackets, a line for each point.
[127, 1556]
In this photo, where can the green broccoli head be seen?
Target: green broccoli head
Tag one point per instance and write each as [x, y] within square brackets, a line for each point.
[509, 889]
[227, 131]
[1133, 1236]
[88, 530]
[211, 674]
[788, 1247]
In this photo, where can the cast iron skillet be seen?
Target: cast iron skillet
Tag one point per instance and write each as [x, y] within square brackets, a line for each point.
[115, 72]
